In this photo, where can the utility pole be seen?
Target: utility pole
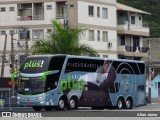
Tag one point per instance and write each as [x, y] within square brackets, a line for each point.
[150, 71]
[4, 56]
[26, 42]
[12, 53]
[12, 60]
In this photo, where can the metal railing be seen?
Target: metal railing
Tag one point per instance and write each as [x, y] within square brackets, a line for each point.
[28, 18]
[5, 93]
[137, 23]
[61, 16]
[133, 49]
[38, 17]
[24, 18]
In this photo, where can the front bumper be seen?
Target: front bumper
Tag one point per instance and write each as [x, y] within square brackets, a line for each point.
[36, 100]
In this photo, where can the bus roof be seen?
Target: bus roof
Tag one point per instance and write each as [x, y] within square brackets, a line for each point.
[86, 57]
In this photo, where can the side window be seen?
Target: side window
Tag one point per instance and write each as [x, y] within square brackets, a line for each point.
[52, 80]
[56, 63]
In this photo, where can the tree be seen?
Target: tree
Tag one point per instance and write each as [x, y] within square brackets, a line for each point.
[63, 41]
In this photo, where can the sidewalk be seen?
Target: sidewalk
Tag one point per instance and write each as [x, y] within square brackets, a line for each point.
[155, 100]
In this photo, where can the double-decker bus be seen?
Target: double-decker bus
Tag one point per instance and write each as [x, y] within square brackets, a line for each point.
[66, 81]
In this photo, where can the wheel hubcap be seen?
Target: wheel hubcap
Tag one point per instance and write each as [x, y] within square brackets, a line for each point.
[72, 104]
[128, 104]
[61, 104]
[119, 104]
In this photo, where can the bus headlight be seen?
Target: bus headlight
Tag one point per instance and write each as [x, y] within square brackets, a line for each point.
[18, 98]
[42, 102]
[41, 97]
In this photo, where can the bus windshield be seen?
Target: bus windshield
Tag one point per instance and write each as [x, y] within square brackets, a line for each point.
[34, 65]
[31, 86]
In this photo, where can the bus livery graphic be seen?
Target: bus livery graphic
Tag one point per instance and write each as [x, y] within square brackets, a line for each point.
[66, 81]
[34, 63]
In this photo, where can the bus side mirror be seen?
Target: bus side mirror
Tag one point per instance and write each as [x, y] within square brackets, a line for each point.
[13, 75]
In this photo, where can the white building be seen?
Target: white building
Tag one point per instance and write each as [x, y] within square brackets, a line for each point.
[131, 31]
[99, 17]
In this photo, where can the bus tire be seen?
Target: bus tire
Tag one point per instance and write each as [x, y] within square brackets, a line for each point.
[61, 104]
[73, 104]
[48, 108]
[37, 108]
[129, 103]
[120, 103]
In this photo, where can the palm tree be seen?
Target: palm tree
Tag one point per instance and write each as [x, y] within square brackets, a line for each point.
[63, 41]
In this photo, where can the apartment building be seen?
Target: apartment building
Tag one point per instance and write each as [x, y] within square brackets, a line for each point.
[131, 31]
[108, 32]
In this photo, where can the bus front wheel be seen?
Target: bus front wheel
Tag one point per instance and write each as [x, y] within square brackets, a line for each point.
[61, 105]
[37, 108]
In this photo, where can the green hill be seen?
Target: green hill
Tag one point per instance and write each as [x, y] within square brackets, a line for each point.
[151, 6]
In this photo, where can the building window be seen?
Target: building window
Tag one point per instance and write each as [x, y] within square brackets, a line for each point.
[133, 20]
[104, 13]
[49, 30]
[91, 35]
[3, 32]
[105, 56]
[123, 40]
[49, 7]
[98, 12]
[11, 8]
[140, 18]
[105, 36]
[12, 32]
[24, 35]
[98, 35]
[38, 34]
[2, 9]
[91, 10]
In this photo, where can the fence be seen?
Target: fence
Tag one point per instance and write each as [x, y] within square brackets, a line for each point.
[5, 95]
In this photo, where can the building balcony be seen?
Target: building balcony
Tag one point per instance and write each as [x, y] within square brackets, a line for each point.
[132, 51]
[61, 16]
[137, 28]
[24, 18]
[28, 18]
[38, 17]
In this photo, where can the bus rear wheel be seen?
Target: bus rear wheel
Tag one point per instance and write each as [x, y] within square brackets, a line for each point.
[120, 103]
[48, 108]
[73, 104]
[61, 105]
[129, 104]
[37, 108]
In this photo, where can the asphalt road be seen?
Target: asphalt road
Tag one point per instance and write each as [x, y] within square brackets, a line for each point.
[150, 110]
